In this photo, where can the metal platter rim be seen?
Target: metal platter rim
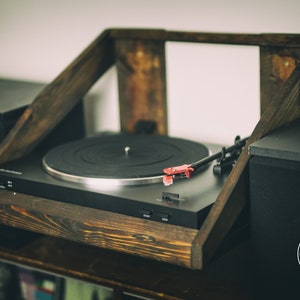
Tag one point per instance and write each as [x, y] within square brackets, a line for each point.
[93, 181]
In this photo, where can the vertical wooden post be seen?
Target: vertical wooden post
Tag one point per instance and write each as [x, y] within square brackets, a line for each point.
[276, 66]
[142, 83]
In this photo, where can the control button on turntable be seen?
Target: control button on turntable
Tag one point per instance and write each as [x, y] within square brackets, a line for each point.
[164, 217]
[145, 213]
[2, 185]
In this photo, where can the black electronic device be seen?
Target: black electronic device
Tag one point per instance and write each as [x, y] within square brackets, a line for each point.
[121, 173]
[275, 213]
[131, 174]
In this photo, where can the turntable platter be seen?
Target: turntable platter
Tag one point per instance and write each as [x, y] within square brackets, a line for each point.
[122, 159]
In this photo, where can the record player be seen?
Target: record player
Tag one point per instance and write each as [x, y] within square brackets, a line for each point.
[122, 173]
[117, 172]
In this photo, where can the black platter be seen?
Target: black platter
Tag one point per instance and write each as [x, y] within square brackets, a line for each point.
[120, 159]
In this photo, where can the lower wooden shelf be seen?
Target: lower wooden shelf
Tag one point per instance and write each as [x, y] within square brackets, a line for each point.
[148, 239]
[228, 277]
[124, 253]
[158, 241]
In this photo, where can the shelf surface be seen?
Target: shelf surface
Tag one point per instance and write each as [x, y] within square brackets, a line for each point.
[228, 277]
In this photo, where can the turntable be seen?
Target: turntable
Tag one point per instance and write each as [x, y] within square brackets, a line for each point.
[122, 173]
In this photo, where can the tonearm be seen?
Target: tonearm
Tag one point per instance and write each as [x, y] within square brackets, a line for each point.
[226, 159]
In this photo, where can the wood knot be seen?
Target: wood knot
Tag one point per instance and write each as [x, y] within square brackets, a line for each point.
[144, 238]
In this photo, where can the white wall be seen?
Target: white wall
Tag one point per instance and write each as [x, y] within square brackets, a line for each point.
[213, 93]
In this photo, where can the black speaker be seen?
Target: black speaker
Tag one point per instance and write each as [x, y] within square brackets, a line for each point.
[275, 214]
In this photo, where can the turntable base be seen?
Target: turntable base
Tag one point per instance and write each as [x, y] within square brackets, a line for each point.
[185, 203]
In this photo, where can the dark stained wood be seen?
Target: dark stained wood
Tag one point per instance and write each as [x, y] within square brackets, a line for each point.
[284, 109]
[233, 197]
[272, 40]
[58, 98]
[136, 236]
[276, 66]
[228, 277]
[142, 83]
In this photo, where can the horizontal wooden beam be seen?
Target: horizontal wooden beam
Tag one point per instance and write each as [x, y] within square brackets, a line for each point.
[149, 239]
[132, 274]
[272, 40]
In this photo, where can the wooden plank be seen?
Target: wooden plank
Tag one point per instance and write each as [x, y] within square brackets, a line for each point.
[58, 98]
[276, 66]
[233, 197]
[225, 279]
[142, 83]
[104, 229]
[246, 39]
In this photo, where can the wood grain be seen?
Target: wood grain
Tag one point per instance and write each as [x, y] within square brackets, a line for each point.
[225, 279]
[272, 40]
[276, 66]
[142, 83]
[103, 229]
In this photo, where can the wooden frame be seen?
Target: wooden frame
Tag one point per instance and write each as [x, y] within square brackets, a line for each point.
[139, 55]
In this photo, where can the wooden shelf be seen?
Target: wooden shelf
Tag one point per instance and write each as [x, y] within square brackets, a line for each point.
[228, 277]
[103, 229]
[150, 249]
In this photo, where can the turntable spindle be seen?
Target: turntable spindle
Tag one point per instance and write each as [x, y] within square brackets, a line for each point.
[127, 150]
